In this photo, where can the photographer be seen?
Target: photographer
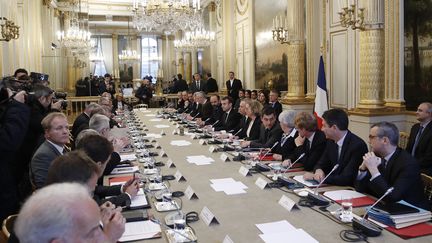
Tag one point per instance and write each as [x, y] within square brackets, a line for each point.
[144, 92]
[14, 122]
[41, 103]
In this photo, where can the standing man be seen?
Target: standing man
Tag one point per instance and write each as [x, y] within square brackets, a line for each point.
[343, 148]
[389, 166]
[180, 84]
[212, 85]
[274, 102]
[233, 86]
[420, 139]
[144, 92]
[198, 84]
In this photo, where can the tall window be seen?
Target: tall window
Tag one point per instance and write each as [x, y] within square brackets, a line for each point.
[99, 67]
[149, 57]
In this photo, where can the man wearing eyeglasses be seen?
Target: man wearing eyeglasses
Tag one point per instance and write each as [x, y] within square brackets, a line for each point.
[390, 166]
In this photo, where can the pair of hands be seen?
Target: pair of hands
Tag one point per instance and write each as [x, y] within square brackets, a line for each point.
[120, 143]
[113, 221]
[131, 187]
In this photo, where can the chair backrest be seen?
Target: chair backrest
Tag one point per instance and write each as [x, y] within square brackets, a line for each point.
[403, 139]
[8, 224]
[427, 185]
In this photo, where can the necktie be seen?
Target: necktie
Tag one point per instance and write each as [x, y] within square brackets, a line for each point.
[306, 144]
[283, 140]
[226, 117]
[198, 85]
[339, 152]
[65, 150]
[417, 140]
[382, 166]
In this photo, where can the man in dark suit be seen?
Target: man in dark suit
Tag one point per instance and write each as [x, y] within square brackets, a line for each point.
[274, 95]
[389, 166]
[180, 84]
[212, 85]
[217, 111]
[233, 86]
[230, 117]
[198, 84]
[56, 137]
[420, 139]
[310, 141]
[145, 92]
[83, 118]
[270, 131]
[343, 148]
[204, 109]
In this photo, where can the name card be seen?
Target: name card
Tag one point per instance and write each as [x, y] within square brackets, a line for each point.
[227, 239]
[261, 183]
[179, 177]
[244, 171]
[287, 203]
[153, 140]
[174, 132]
[157, 146]
[224, 157]
[170, 164]
[235, 153]
[208, 217]
[190, 194]
[162, 133]
[162, 153]
[178, 126]
[202, 142]
[194, 136]
[212, 149]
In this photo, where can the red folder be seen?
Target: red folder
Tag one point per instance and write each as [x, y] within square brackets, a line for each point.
[120, 179]
[412, 231]
[360, 201]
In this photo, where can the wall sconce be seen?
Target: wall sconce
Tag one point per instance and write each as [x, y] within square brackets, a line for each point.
[180, 62]
[349, 19]
[280, 30]
[9, 30]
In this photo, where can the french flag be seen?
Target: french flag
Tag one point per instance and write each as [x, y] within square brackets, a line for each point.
[321, 102]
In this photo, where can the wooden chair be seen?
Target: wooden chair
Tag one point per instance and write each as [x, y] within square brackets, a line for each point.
[403, 139]
[8, 225]
[427, 185]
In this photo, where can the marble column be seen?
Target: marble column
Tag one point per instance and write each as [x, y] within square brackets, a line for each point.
[116, 67]
[372, 57]
[296, 50]
[194, 61]
[187, 66]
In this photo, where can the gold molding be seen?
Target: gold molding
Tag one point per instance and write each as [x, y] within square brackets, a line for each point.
[242, 6]
[296, 71]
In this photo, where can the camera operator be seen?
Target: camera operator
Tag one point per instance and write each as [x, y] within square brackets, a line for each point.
[15, 115]
[41, 103]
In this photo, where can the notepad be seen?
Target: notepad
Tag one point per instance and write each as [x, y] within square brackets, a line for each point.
[124, 170]
[307, 183]
[141, 230]
[358, 199]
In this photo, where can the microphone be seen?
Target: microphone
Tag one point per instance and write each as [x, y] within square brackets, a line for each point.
[262, 167]
[316, 198]
[268, 151]
[216, 122]
[297, 160]
[206, 120]
[193, 118]
[364, 225]
[235, 134]
[187, 237]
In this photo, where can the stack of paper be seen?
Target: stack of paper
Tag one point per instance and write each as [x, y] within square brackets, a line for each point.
[358, 199]
[401, 215]
[307, 183]
[228, 185]
[155, 120]
[199, 160]
[180, 143]
[124, 170]
[141, 230]
[153, 135]
[140, 200]
[130, 157]
[151, 115]
[283, 231]
[161, 126]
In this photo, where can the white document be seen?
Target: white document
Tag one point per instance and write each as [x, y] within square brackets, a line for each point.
[343, 194]
[300, 179]
[124, 170]
[151, 115]
[228, 185]
[180, 143]
[199, 160]
[153, 135]
[223, 180]
[161, 126]
[139, 201]
[130, 157]
[275, 227]
[141, 230]
[296, 235]
[155, 120]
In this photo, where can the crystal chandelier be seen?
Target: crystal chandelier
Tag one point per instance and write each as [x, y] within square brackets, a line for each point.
[168, 15]
[77, 37]
[129, 56]
[195, 39]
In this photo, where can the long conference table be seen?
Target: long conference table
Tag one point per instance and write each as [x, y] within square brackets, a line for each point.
[237, 214]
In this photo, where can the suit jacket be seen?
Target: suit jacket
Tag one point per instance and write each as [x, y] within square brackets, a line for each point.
[234, 89]
[212, 85]
[402, 172]
[194, 88]
[206, 110]
[255, 130]
[353, 149]
[242, 125]
[423, 152]
[83, 118]
[229, 122]
[41, 161]
[216, 116]
[114, 193]
[285, 146]
[144, 94]
[180, 85]
[312, 154]
[267, 138]
[277, 107]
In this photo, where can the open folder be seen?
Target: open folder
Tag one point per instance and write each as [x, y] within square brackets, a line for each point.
[141, 230]
[358, 199]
